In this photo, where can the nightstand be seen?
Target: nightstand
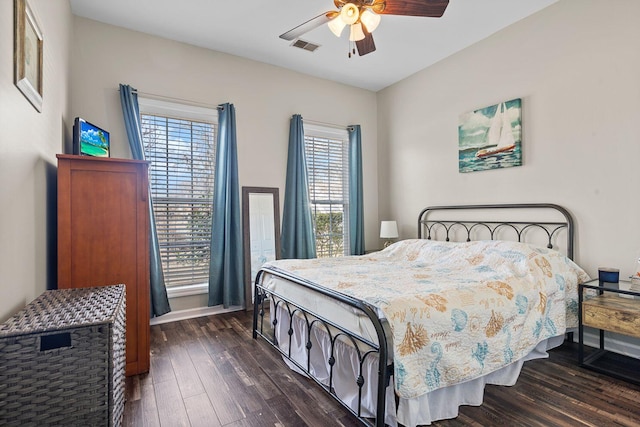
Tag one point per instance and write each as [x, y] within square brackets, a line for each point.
[613, 308]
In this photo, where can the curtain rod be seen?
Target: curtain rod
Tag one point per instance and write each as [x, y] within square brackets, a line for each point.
[332, 125]
[180, 100]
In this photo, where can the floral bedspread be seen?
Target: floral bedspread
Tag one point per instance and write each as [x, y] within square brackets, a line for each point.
[457, 310]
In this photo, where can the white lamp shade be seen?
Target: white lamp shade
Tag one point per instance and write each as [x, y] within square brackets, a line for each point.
[370, 20]
[356, 32]
[336, 25]
[349, 13]
[388, 230]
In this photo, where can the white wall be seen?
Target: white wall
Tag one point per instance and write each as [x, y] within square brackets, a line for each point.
[264, 96]
[576, 66]
[29, 142]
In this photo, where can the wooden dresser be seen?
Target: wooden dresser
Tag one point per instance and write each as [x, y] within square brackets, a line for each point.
[103, 238]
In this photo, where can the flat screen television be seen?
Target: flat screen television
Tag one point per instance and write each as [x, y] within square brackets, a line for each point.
[89, 139]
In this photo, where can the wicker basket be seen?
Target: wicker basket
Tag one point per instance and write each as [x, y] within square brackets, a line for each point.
[62, 359]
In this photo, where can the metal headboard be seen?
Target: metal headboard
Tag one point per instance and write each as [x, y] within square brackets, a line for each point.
[492, 226]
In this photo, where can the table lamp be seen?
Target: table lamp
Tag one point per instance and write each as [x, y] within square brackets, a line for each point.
[389, 231]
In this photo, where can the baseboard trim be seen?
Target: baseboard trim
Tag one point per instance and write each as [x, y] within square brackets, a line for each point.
[192, 313]
[617, 343]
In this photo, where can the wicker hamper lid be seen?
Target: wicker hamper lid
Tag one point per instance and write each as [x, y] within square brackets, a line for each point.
[65, 308]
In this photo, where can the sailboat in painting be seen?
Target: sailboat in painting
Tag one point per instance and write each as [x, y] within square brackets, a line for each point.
[500, 136]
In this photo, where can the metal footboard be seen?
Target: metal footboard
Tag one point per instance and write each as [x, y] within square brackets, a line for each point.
[364, 348]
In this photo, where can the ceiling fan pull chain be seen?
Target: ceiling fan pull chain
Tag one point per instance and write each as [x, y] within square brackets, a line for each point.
[352, 48]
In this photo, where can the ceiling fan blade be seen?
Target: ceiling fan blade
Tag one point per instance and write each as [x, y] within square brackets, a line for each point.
[309, 25]
[366, 45]
[429, 8]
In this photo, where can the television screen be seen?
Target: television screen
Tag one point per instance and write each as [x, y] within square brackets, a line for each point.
[89, 139]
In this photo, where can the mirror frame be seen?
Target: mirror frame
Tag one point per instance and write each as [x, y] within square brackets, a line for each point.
[246, 226]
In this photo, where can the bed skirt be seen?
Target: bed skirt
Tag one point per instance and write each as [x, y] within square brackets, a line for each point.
[437, 405]
[444, 403]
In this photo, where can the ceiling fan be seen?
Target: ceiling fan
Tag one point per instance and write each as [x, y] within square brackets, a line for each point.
[363, 17]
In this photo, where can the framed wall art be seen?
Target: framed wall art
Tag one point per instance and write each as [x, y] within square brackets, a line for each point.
[491, 137]
[27, 56]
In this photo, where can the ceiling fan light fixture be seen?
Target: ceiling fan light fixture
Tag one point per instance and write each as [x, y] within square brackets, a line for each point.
[336, 25]
[356, 33]
[349, 13]
[377, 6]
[370, 20]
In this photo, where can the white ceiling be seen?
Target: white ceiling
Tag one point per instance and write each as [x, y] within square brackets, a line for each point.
[250, 29]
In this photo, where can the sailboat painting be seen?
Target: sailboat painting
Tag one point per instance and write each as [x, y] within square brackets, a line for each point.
[491, 137]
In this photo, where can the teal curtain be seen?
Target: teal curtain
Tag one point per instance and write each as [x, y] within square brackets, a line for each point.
[356, 207]
[297, 238]
[226, 274]
[131, 112]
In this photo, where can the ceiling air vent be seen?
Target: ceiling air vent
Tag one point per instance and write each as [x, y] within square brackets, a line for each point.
[305, 45]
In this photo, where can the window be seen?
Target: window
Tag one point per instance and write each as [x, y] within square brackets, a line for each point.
[179, 143]
[327, 152]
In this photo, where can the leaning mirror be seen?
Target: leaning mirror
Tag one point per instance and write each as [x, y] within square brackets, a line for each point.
[261, 224]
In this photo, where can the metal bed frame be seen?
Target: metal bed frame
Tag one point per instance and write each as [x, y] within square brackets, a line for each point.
[383, 349]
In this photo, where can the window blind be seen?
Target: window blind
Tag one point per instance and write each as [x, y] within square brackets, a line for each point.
[181, 153]
[327, 168]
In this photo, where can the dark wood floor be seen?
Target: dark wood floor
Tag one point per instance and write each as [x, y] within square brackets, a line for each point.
[210, 372]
